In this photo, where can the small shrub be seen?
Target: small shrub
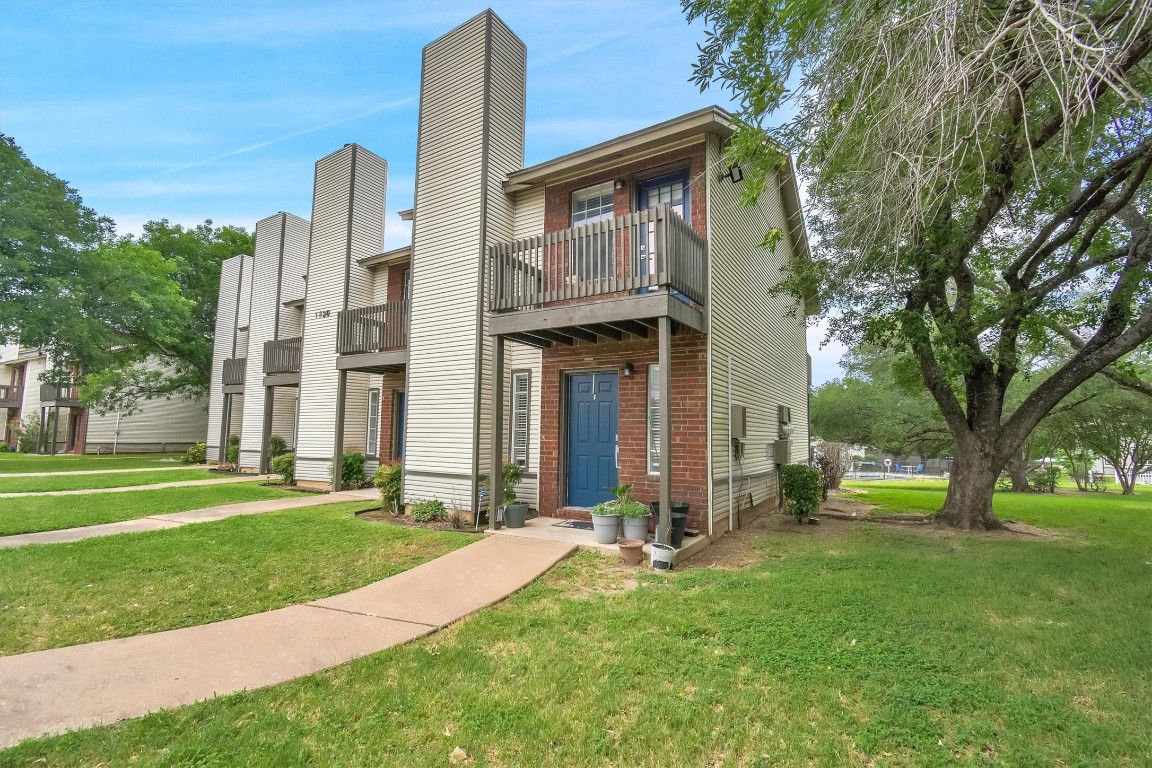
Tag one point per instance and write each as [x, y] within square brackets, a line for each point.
[1004, 484]
[833, 462]
[351, 470]
[196, 454]
[276, 446]
[510, 477]
[285, 466]
[1043, 479]
[801, 485]
[457, 518]
[388, 478]
[232, 452]
[428, 510]
[28, 434]
[632, 508]
[3, 447]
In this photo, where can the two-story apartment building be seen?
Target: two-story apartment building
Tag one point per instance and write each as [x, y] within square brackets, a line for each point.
[604, 317]
[67, 426]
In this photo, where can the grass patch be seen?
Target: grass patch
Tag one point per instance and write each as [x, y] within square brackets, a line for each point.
[30, 514]
[859, 646]
[66, 594]
[31, 462]
[82, 482]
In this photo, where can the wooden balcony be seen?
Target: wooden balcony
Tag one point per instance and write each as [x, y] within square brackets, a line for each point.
[65, 397]
[373, 339]
[282, 362]
[10, 395]
[608, 279]
[233, 375]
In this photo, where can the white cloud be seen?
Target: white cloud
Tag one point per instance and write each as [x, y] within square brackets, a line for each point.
[826, 356]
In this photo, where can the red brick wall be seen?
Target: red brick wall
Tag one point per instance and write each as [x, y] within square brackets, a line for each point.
[396, 281]
[393, 384]
[689, 419]
[558, 198]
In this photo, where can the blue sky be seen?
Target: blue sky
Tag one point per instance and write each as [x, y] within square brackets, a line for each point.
[219, 110]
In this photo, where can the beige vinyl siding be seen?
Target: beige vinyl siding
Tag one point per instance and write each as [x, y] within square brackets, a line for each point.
[297, 231]
[379, 285]
[160, 425]
[763, 334]
[284, 415]
[228, 304]
[30, 398]
[291, 322]
[333, 249]
[444, 379]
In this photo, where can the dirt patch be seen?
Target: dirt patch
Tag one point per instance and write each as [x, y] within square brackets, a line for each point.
[381, 515]
[593, 574]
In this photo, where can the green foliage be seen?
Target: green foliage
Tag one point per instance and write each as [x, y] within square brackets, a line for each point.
[802, 487]
[632, 508]
[388, 479]
[28, 433]
[285, 466]
[352, 470]
[511, 476]
[428, 510]
[276, 446]
[196, 454]
[606, 508]
[621, 492]
[1044, 479]
[4, 448]
[232, 450]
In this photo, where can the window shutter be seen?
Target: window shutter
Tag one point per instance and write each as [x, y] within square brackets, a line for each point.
[653, 419]
[373, 431]
[521, 393]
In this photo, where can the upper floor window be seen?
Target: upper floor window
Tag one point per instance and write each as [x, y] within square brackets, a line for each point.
[592, 204]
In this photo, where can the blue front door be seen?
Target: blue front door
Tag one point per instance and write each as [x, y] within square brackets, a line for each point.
[592, 412]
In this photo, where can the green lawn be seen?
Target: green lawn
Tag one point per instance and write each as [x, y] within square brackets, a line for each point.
[66, 594]
[847, 645]
[49, 513]
[119, 480]
[31, 462]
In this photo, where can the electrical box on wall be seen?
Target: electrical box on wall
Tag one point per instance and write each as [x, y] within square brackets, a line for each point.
[783, 451]
[739, 418]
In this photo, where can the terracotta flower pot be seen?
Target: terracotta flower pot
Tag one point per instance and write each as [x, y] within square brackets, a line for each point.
[632, 550]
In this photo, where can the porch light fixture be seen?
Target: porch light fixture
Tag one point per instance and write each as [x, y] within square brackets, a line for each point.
[735, 174]
[628, 368]
[619, 184]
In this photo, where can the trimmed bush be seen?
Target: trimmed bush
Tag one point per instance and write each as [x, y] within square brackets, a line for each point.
[28, 434]
[285, 466]
[232, 452]
[802, 487]
[196, 454]
[276, 446]
[1043, 479]
[428, 510]
[352, 470]
[387, 479]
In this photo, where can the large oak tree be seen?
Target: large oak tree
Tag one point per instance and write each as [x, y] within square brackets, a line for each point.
[978, 174]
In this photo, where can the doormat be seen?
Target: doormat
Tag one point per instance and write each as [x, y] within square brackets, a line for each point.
[584, 525]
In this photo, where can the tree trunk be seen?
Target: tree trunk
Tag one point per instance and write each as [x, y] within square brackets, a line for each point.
[969, 502]
[1018, 470]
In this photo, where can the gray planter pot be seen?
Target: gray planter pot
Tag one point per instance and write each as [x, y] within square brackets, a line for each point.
[636, 527]
[606, 528]
[515, 515]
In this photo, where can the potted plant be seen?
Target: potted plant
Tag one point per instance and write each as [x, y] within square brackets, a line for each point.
[515, 512]
[606, 515]
[634, 515]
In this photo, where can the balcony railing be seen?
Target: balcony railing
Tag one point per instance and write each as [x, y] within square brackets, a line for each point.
[372, 329]
[638, 252]
[282, 355]
[10, 396]
[50, 394]
[234, 371]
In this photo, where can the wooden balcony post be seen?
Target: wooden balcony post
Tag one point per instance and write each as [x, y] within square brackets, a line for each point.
[266, 428]
[338, 438]
[496, 444]
[665, 361]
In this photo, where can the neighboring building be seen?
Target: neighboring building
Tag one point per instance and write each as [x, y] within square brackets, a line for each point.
[66, 426]
[604, 317]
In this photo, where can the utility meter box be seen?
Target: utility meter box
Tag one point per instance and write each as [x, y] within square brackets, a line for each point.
[783, 450]
[739, 419]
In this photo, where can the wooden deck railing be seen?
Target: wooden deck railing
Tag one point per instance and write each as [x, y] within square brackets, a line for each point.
[234, 371]
[643, 251]
[372, 329]
[282, 355]
[50, 393]
[10, 396]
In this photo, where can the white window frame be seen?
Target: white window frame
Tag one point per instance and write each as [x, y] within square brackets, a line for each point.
[653, 399]
[581, 197]
[372, 431]
[516, 411]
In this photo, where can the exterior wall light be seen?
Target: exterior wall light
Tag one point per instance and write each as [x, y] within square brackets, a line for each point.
[628, 368]
[735, 174]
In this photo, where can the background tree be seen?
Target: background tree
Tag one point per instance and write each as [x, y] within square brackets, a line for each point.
[1114, 423]
[976, 171]
[134, 318]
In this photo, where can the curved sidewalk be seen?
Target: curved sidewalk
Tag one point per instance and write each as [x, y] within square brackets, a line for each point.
[151, 487]
[85, 685]
[177, 519]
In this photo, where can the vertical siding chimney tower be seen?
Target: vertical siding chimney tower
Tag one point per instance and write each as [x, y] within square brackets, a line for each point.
[471, 135]
[347, 225]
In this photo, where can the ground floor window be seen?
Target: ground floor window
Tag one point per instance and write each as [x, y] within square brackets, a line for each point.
[521, 397]
[653, 419]
[373, 447]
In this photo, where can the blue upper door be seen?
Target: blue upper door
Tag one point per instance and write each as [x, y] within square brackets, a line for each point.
[593, 404]
[671, 190]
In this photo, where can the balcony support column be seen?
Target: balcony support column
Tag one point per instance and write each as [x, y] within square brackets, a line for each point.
[225, 427]
[496, 443]
[665, 361]
[266, 429]
[55, 426]
[338, 438]
[40, 446]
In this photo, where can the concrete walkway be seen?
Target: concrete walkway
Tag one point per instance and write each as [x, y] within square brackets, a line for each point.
[152, 487]
[85, 685]
[177, 519]
[66, 473]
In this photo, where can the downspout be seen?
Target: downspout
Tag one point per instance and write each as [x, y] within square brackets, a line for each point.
[731, 455]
